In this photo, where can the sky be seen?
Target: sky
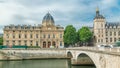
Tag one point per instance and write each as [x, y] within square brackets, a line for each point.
[65, 12]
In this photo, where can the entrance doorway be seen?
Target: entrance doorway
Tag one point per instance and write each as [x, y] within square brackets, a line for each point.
[49, 44]
[54, 44]
[44, 44]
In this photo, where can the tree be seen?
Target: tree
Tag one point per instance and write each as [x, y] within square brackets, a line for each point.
[70, 35]
[1, 40]
[85, 35]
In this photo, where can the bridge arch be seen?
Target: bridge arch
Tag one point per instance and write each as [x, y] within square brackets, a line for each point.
[85, 59]
[69, 54]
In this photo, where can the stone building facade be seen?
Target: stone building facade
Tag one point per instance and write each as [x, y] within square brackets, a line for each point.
[43, 35]
[105, 32]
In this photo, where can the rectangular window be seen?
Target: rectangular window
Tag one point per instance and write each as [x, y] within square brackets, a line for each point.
[101, 31]
[36, 43]
[106, 33]
[110, 39]
[30, 35]
[44, 36]
[98, 40]
[36, 35]
[99, 35]
[31, 42]
[13, 42]
[110, 33]
[25, 42]
[119, 39]
[101, 40]
[106, 39]
[25, 36]
[7, 35]
[114, 33]
[13, 35]
[60, 35]
[19, 36]
[119, 33]
[60, 43]
[7, 42]
[114, 39]
[48, 35]
[53, 35]
[98, 31]
[19, 42]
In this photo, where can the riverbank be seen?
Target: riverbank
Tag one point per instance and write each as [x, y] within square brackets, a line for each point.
[22, 54]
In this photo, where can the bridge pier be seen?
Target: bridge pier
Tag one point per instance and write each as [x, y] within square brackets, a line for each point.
[81, 61]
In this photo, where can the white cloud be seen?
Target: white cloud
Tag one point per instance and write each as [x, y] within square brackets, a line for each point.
[64, 12]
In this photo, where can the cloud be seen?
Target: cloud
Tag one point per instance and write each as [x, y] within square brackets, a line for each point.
[75, 12]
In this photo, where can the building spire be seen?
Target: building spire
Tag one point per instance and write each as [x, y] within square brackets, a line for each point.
[97, 11]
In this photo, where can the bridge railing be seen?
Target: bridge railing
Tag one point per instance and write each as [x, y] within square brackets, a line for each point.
[97, 49]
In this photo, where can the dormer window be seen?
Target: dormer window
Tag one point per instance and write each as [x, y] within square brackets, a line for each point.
[114, 26]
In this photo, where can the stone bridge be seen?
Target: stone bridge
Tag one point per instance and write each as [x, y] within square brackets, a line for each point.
[100, 57]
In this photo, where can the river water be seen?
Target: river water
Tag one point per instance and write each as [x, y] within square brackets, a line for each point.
[47, 63]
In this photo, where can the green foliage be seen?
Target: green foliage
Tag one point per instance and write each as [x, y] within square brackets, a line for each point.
[85, 34]
[1, 40]
[70, 35]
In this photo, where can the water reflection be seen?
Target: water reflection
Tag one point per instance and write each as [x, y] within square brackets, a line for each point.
[49, 63]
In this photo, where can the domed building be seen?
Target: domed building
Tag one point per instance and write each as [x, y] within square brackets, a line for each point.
[44, 35]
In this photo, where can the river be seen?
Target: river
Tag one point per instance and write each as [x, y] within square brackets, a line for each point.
[46, 63]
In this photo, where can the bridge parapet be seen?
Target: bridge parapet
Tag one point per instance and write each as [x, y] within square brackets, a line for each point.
[112, 50]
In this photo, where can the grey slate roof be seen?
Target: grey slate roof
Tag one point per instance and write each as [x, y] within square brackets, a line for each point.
[48, 18]
[99, 17]
[112, 24]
